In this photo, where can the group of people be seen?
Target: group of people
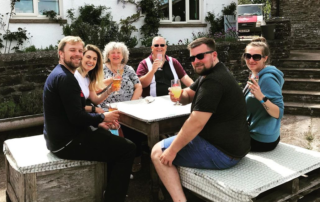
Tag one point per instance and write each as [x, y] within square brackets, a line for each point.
[224, 124]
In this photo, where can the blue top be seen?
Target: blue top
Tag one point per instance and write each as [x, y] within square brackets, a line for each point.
[262, 126]
[63, 107]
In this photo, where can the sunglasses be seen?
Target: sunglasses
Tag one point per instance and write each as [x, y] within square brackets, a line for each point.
[255, 57]
[199, 56]
[157, 45]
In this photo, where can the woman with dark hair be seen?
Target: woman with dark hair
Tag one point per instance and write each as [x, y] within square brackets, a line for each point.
[263, 94]
[90, 77]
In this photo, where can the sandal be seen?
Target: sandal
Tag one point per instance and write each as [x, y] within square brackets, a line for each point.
[136, 167]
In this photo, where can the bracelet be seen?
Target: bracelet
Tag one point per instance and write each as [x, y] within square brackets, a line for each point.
[93, 110]
[261, 101]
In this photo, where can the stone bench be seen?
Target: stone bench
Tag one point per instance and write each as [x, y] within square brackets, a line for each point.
[33, 173]
[286, 173]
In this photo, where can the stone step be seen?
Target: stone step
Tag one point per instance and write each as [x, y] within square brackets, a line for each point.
[300, 64]
[301, 96]
[306, 109]
[301, 72]
[301, 84]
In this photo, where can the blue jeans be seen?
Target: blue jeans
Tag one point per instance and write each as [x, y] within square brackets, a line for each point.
[200, 154]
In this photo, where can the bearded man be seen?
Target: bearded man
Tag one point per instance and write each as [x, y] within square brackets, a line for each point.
[216, 135]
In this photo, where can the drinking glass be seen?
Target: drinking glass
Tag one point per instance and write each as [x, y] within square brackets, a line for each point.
[176, 90]
[117, 82]
[159, 57]
[256, 78]
[112, 107]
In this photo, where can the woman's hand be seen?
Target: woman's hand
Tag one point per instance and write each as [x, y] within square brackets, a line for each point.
[114, 125]
[255, 89]
[104, 125]
[111, 116]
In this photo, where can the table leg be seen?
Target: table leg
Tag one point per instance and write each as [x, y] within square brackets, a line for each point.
[153, 138]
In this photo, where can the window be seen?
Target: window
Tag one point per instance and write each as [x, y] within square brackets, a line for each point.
[35, 8]
[181, 10]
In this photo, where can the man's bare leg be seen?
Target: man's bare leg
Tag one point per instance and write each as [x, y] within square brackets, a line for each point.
[169, 175]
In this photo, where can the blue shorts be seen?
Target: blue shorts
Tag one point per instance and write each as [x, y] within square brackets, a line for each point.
[200, 154]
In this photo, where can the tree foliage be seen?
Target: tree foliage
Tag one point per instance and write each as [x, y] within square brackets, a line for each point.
[94, 25]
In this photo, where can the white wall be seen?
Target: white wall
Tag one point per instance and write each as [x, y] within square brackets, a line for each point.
[49, 34]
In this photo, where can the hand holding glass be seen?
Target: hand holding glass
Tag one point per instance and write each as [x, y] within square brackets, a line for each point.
[256, 78]
[176, 90]
[159, 57]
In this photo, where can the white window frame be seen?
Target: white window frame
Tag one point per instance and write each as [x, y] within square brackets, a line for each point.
[187, 14]
[35, 14]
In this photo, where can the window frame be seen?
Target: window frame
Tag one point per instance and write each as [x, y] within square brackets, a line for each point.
[187, 3]
[35, 14]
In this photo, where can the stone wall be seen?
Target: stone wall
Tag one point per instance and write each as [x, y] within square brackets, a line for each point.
[23, 74]
[305, 22]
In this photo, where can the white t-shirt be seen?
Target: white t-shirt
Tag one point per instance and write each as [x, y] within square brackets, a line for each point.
[84, 84]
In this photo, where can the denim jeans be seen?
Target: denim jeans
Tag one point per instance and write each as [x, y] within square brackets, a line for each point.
[200, 154]
[101, 145]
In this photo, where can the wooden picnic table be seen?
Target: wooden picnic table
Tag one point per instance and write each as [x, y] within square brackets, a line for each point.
[153, 119]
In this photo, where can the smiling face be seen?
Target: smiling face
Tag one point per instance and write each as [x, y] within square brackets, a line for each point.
[255, 66]
[115, 56]
[159, 49]
[202, 66]
[71, 55]
[89, 61]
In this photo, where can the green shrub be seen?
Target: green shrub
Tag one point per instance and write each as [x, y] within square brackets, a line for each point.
[31, 102]
[7, 109]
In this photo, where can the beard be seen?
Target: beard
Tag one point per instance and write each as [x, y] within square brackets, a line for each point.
[205, 71]
[71, 65]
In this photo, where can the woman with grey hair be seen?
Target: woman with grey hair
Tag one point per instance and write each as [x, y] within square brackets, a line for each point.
[116, 56]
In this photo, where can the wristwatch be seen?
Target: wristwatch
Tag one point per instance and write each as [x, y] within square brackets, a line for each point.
[93, 110]
[264, 99]
[101, 117]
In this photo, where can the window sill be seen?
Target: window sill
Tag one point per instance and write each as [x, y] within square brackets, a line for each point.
[183, 25]
[63, 21]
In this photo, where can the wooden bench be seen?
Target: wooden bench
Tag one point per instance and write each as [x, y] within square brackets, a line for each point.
[34, 174]
[286, 173]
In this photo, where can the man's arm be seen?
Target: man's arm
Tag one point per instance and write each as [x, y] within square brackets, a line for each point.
[147, 78]
[190, 129]
[186, 80]
[186, 97]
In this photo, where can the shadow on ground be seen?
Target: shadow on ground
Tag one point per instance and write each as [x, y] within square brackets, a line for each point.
[140, 186]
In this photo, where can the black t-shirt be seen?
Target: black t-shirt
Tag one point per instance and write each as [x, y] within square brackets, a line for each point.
[63, 105]
[163, 79]
[219, 94]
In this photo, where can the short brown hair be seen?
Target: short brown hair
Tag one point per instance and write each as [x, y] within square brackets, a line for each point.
[68, 39]
[204, 40]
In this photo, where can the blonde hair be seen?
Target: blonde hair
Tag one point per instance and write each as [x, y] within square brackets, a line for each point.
[68, 39]
[96, 75]
[116, 45]
[261, 43]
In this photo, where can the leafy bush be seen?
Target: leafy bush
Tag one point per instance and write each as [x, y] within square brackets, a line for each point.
[94, 25]
[31, 102]
[7, 109]
[34, 49]
[153, 14]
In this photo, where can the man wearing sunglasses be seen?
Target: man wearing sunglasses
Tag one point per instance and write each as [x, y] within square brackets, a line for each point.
[157, 70]
[216, 135]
